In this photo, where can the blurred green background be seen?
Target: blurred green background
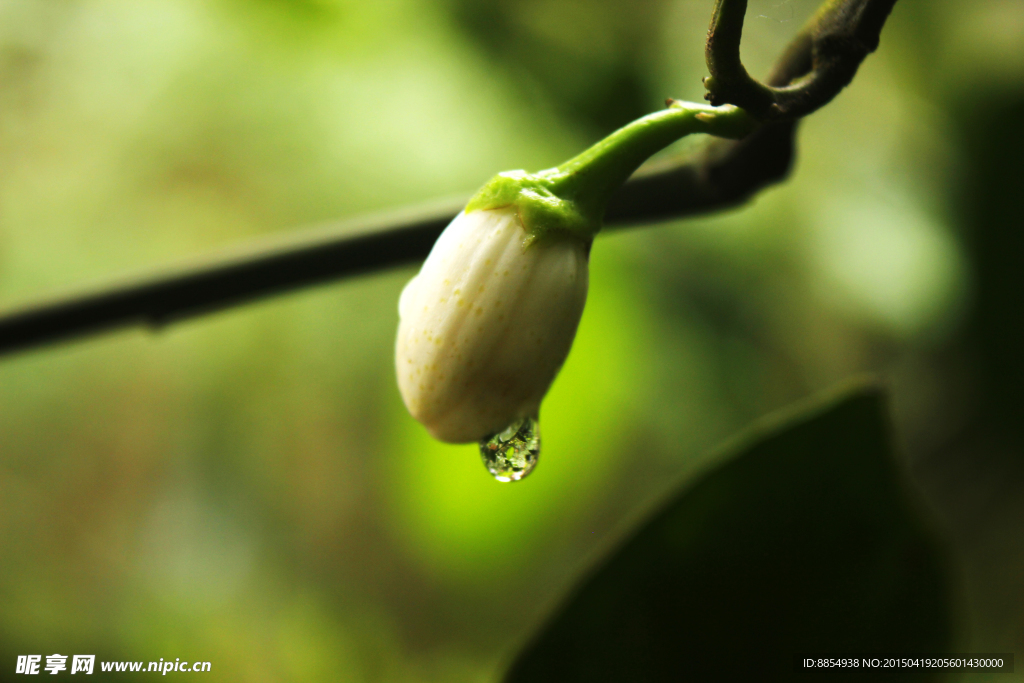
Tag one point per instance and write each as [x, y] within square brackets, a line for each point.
[247, 489]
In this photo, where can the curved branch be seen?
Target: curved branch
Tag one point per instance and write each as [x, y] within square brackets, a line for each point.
[723, 174]
[719, 175]
[840, 35]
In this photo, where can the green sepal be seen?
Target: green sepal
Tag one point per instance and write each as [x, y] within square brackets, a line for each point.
[542, 211]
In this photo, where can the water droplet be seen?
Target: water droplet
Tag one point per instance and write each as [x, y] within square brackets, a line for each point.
[511, 454]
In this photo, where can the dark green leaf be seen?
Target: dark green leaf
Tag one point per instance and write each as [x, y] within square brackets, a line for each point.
[804, 542]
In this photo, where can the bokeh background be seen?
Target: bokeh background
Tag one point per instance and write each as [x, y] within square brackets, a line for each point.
[247, 489]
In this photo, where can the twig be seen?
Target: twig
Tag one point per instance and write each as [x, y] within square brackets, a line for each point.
[724, 175]
[719, 175]
[839, 37]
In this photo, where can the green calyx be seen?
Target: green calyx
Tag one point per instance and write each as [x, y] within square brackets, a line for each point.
[543, 212]
[570, 200]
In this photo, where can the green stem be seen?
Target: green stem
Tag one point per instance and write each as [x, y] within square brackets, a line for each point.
[571, 198]
[590, 177]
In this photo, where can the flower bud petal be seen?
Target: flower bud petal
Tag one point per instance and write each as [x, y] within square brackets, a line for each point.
[487, 323]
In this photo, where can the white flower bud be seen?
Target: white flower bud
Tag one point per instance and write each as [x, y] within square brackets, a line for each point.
[486, 324]
[488, 321]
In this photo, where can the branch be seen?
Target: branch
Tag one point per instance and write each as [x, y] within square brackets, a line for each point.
[838, 37]
[720, 175]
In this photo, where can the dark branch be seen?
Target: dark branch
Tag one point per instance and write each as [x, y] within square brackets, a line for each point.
[720, 175]
[263, 270]
[839, 36]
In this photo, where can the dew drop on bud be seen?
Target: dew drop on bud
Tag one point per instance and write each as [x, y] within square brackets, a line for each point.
[511, 454]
